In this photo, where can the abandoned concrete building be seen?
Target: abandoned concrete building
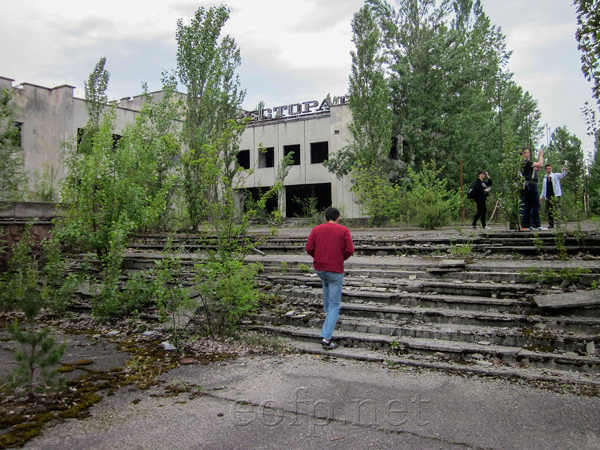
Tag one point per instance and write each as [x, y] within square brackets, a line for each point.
[312, 130]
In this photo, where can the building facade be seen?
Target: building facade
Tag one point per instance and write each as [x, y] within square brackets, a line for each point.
[310, 131]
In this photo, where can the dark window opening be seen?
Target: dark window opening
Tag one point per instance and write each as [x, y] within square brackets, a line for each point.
[116, 139]
[81, 136]
[319, 152]
[252, 195]
[266, 158]
[80, 133]
[403, 149]
[243, 159]
[18, 139]
[287, 149]
[298, 199]
[394, 149]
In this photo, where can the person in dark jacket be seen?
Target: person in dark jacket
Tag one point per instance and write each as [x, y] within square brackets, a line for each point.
[481, 191]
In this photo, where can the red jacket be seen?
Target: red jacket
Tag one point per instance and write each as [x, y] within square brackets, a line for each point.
[330, 244]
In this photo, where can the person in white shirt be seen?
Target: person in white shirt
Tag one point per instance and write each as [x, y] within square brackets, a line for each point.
[551, 192]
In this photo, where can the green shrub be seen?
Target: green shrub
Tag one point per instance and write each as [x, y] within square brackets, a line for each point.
[428, 201]
[376, 196]
[227, 293]
[39, 352]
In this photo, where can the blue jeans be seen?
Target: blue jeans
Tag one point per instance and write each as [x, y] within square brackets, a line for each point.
[332, 300]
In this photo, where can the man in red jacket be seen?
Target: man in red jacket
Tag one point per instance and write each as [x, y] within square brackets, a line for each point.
[330, 244]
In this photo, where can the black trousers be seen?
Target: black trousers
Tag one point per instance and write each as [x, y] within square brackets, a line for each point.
[552, 206]
[481, 211]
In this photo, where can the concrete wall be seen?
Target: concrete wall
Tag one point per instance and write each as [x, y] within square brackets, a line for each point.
[52, 116]
[331, 127]
[29, 210]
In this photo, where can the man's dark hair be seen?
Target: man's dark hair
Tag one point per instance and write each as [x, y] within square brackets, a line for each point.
[331, 214]
[480, 172]
[523, 150]
[547, 165]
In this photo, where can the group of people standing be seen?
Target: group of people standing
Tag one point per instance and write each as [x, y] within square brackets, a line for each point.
[530, 196]
[330, 244]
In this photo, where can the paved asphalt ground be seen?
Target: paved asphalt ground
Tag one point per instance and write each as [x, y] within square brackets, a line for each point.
[308, 402]
[315, 402]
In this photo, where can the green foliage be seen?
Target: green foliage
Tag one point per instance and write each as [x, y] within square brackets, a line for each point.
[372, 118]
[206, 66]
[538, 243]
[157, 128]
[303, 268]
[44, 186]
[259, 208]
[588, 21]
[464, 247]
[12, 176]
[60, 281]
[40, 351]
[19, 266]
[429, 203]
[565, 150]
[113, 189]
[376, 196]
[572, 275]
[136, 293]
[309, 208]
[283, 266]
[512, 184]
[443, 68]
[535, 275]
[166, 289]
[560, 234]
[95, 92]
[59, 284]
[566, 276]
[226, 293]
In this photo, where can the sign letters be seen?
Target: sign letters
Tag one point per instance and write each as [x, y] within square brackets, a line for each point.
[293, 110]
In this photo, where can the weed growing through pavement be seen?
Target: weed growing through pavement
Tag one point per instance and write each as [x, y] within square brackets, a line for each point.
[304, 268]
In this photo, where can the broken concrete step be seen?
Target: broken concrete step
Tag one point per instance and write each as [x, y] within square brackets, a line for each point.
[433, 300]
[533, 337]
[437, 362]
[482, 318]
[351, 298]
[365, 289]
[491, 292]
[401, 344]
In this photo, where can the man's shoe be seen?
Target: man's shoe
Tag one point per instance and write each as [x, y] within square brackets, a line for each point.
[539, 229]
[525, 229]
[486, 228]
[474, 227]
[328, 345]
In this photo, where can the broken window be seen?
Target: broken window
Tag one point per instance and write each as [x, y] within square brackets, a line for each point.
[394, 149]
[266, 157]
[287, 149]
[319, 152]
[243, 159]
[18, 139]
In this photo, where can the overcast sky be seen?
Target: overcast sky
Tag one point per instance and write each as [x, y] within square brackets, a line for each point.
[292, 50]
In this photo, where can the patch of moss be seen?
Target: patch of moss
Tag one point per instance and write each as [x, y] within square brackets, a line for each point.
[84, 362]
[80, 410]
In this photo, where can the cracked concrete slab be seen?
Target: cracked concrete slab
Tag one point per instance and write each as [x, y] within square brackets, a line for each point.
[315, 401]
[568, 299]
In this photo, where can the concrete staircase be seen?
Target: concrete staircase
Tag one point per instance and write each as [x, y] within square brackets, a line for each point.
[408, 301]
[447, 314]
